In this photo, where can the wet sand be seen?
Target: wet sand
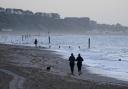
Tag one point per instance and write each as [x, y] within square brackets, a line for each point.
[30, 63]
[4, 80]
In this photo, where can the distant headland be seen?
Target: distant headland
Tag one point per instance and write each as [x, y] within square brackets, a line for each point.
[18, 20]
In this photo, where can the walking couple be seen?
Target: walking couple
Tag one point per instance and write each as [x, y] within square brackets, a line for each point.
[72, 60]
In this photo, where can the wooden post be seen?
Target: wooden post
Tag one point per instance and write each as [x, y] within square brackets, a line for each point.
[22, 37]
[89, 43]
[49, 39]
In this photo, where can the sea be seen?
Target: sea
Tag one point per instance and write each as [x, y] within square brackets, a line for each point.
[106, 56]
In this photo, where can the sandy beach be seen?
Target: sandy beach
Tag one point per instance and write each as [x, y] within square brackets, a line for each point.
[23, 67]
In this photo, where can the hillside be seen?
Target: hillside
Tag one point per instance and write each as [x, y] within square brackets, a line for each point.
[17, 20]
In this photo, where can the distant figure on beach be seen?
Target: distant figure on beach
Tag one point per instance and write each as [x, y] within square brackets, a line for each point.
[72, 63]
[79, 63]
[35, 42]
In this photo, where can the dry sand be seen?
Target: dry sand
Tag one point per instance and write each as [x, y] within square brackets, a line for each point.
[29, 63]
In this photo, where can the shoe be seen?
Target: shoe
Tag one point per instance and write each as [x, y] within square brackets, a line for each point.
[80, 73]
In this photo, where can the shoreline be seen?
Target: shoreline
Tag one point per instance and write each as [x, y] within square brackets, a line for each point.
[21, 59]
[95, 76]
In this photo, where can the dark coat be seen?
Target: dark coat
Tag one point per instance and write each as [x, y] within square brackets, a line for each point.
[35, 42]
[72, 59]
[79, 59]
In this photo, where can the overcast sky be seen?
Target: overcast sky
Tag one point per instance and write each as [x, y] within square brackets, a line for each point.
[103, 11]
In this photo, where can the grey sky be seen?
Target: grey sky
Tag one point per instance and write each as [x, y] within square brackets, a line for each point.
[103, 11]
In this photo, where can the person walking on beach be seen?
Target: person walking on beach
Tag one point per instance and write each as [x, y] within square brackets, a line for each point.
[35, 42]
[79, 63]
[72, 63]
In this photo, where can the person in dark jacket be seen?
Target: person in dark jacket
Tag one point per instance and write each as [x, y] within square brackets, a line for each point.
[79, 63]
[72, 63]
[35, 42]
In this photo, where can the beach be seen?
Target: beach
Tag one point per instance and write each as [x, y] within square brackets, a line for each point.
[24, 67]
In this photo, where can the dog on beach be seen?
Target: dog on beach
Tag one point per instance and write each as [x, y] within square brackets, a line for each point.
[49, 68]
